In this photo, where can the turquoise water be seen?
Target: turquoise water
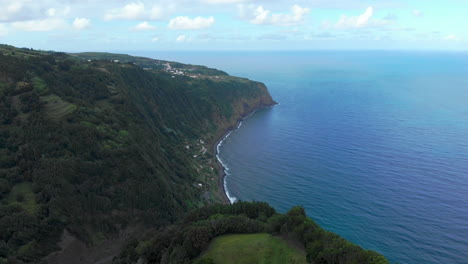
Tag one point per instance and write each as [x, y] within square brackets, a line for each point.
[373, 144]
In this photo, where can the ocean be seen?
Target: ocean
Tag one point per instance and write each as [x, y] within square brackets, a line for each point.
[373, 144]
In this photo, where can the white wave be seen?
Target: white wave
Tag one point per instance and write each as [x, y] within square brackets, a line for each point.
[231, 198]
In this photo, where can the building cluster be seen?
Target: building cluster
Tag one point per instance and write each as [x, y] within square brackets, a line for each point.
[169, 69]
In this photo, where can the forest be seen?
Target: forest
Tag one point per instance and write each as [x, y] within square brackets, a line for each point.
[95, 147]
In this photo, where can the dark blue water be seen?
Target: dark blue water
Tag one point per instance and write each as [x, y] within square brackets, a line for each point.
[373, 144]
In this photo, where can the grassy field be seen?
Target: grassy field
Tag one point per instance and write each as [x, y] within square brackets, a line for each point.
[253, 248]
[57, 108]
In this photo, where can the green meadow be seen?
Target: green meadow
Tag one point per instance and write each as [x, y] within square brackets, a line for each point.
[252, 248]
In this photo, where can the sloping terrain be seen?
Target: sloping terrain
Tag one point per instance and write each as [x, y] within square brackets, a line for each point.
[96, 147]
[205, 236]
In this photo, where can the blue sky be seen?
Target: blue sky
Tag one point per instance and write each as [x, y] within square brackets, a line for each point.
[73, 25]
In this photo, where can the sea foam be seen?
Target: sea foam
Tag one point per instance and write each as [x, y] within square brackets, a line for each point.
[231, 198]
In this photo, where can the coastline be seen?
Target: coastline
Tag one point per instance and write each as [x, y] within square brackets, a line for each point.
[221, 167]
[219, 164]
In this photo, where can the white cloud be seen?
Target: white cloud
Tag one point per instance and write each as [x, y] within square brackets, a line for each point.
[10, 10]
[451, 37]
[182, 38]
[356, 21]
[81, 23]
[296, 16]
[14, 7]
[48, 11]
[364, 18]
[138, 11]
[155, 39]
[418, 13]
[47, 24]
[51, 12]
[183, 22]
[259, 15]
[63, 12]
[130, 11]
[143, 26]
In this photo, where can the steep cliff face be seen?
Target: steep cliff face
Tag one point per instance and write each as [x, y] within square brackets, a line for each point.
[243, 106]
[94, 147]
[230, 98]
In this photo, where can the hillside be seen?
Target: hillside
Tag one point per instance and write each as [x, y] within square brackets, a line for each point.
[94, 149]
[202, 237]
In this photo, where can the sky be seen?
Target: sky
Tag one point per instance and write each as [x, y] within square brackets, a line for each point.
[104, 25]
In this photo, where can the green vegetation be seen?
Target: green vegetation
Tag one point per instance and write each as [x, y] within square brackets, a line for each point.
[252, 248]
[97, 147]
[185, 241]
[22, 195]
[55, 107]
[150, 64]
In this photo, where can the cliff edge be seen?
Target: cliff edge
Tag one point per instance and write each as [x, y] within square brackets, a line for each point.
[96, 147]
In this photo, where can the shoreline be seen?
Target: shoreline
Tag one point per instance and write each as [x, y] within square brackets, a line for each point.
[219, 164]
[221, 167]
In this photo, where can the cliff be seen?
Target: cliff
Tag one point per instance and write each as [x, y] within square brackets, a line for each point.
[96, 146]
